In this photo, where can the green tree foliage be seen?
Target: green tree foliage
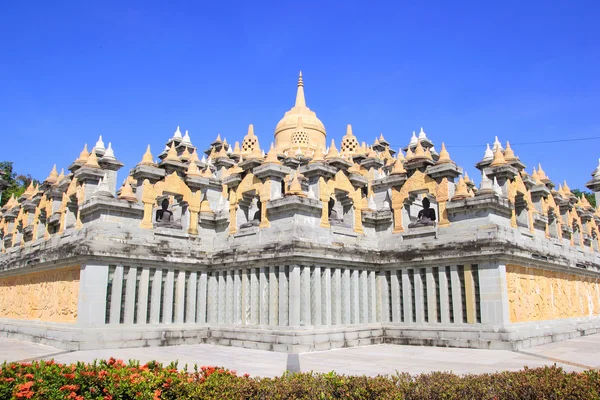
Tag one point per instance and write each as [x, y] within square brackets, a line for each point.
[589, 196]
[17, 183]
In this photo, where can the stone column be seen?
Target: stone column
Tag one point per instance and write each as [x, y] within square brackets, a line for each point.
[156, 296]
[305, 294]
[346, 296]
[327, 299]
[456, 295]
[419, 284]
[180, 297]
[470, 294]
[237, 297]
[201, 300]
[444, 298]
[385, 301]
[93, 282]
[130, 295]
[337, 299]
[407, 297]
[396, 311]
[284, 305]
[354, 298]
[273, 309]
[228, 297]
[316, 283]
[294, 295]
[364, 297]
[431, 295]
[142, 307]
[221, 306]
[191, 300]
[254, 296]
[245, 296]
[168, 298]
[373, 297]
[115, 295]
[264, 297]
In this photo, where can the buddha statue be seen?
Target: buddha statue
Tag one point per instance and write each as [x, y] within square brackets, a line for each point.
[256, 220]
[426, 216]
[164, 217]
[333, 214]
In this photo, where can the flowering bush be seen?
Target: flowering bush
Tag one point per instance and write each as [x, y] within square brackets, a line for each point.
[113, 379]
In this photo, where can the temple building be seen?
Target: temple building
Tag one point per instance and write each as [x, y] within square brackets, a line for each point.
[303, 245]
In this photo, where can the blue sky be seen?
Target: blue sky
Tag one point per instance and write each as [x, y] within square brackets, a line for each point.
[465, 71]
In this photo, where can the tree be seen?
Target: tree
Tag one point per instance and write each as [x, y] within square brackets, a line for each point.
[17, 183]
[589, 196]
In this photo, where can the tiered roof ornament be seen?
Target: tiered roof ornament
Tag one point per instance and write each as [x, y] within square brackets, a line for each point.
[444, 157]
[489, 154]
[92, 161]
[53, 176]
[186, 140]
[413, 140]
[177, 135]
[422, 135]
[333, 151]
[109, 154]
[498, 158]
[147, 158]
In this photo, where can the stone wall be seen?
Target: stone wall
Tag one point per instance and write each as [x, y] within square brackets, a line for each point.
[536, 294]
[49, 296]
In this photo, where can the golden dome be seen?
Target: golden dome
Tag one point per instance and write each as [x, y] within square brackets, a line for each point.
[311, 126]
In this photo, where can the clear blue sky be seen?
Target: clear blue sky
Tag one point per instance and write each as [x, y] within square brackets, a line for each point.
[466, 71]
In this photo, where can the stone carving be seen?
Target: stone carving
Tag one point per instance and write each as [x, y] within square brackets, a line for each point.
[535, 294]
[418, 181]
[164, 217]
[41, 296]
[426, 216]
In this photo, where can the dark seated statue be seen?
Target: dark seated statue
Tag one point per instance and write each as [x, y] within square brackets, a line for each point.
[164, 217]
[333, 215]
[426, 216]
[256, 220]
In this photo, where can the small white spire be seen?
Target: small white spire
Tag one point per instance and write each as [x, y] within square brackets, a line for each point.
[99, 144]
[497, 187]
[177, 134]
[263, 153]
[371, 203]
[413, 139]
[433, 151]
[488, 155]
[203, 159]
[186, 138]
[102, 189]
[220, 204]
[109, 154]
[311, 193]
[596, 172]
[422, 134]
[229, 151]
[497, 145]
[486, 184]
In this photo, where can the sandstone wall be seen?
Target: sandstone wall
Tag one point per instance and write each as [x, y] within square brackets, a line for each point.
[535, 294]
[42, 296]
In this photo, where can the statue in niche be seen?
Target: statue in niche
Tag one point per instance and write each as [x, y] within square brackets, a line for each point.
[256, 220]
[426, 216]
[334, 219]
[164, 217]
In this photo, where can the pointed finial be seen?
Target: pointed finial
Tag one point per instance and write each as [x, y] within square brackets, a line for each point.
[318, 156]
[541, 172]
[92, 161]
[497, 145]
[509, 154]
[419, 151]
[236, 149]
[413, 139]
[109, 154]
[498, 158]
[536, 177]
[295, 187]
[52, 178]
[99, 144]
[61, 176]
[422, 134]
[218, 139]
[172, 153]
[400, 155]
[300, 101]
[207, 173]
[462, 192]
[398, 167]
[333, 151]
[381, 138]
[83, 156]
[272, 156]
[486, 186]
[177, 134]
[186, 138]
[192, 169]
[444, 156]
[349, 131]
[489, 154]
[127, 193]
[566, 188]
[147, 158]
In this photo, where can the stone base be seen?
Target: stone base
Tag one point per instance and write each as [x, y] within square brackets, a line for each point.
[299, 340]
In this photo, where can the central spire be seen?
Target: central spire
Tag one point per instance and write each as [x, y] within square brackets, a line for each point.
[300, 101]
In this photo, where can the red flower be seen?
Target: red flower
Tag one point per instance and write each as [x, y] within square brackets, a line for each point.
[29, 376]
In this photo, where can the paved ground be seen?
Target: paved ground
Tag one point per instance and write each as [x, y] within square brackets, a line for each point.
[572, 355]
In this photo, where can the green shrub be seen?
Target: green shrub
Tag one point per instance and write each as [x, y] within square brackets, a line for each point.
[113, 379]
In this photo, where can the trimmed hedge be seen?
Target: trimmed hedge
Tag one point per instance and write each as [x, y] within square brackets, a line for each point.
[113, 379]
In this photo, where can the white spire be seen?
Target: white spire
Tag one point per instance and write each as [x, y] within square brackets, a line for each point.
[220, 204]
[263, 153]
[109, 154]
[488, 155]
[99, 144]
[486, 185]
[177, 134]
[311, 193]
[596, 172]
[229, 151]
[186, 138]
[497, 145]
[497, 187]
[433, 151]
[422, 134]
[203, 159]
[413, 139]
[371, 203]
[102, 189]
